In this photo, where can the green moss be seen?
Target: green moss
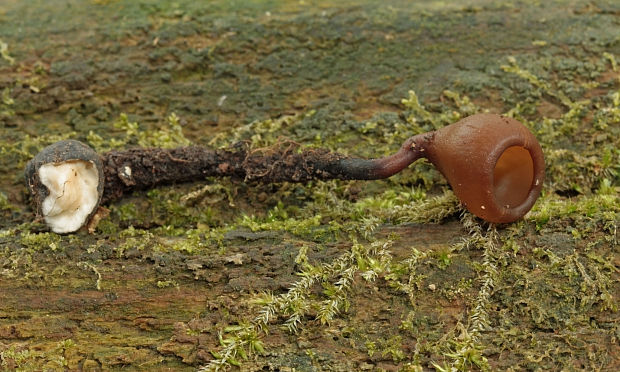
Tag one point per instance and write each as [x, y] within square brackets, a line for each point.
[6, 103]
[169, 135]
[590, 213]
[20, 358]
[294, 225]
[5, 205]
[167, 283]
[4, 53]
[137, 239]
[40, 241]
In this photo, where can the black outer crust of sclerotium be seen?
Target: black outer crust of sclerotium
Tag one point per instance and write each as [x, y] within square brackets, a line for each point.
[59, 152]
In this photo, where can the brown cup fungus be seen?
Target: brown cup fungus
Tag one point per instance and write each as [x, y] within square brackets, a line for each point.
[493, 163]
[65, 180]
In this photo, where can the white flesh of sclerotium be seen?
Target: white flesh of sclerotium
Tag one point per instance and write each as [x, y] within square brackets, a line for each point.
[72, 195]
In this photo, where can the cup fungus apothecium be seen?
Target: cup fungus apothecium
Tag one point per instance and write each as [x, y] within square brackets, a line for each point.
[493, 163]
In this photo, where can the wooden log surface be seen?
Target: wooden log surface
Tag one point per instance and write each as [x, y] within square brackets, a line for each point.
[340, 275]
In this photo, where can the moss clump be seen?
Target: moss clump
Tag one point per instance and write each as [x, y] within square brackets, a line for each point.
[169, 135]
[4, 53]
[40, 241]
[22, 358]
[5, 205]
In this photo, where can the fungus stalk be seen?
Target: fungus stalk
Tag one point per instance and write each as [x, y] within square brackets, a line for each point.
[493, 163]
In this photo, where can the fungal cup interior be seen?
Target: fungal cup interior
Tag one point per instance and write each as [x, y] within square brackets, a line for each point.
[72, 195]
[513, 176]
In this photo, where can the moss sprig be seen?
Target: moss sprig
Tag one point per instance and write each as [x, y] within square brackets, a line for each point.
[336, 277]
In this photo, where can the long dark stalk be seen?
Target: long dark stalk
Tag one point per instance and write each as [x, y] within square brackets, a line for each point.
[145, 168]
